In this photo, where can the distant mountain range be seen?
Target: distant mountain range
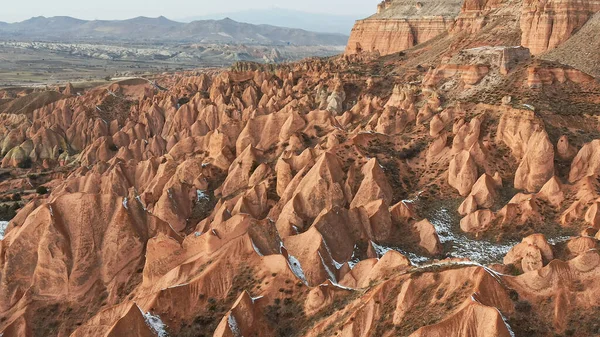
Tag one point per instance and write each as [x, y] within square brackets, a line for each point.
[161, 29]
[317, 22]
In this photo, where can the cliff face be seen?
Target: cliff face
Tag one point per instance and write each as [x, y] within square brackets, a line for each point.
[545, 24]
[388, 36]
[476, 14]
[402, 24]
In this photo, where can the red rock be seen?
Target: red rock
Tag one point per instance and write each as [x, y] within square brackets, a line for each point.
[478, 221]
[532, 253]
[429, 239]
[545, 25]
[537, 165]
[586, 162]
[462, 173]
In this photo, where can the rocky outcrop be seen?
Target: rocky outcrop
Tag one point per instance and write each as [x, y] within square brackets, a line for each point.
[531, 254]
[586, 162]
[308, 197]
[462, 173]
[547, 24]
[400, 25]
[537, 165]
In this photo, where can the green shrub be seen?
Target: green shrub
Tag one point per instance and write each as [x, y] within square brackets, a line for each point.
[25, 164]
[41, 190]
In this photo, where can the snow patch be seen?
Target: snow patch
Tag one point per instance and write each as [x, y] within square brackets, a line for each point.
[530, 107]
[139, 199]
[155, 323]
[256, 248]
[332, 277]
[354, 259]
[560, 239]
[3, 226]
[233, 326]
[459, 245]
[125, 203]
[201, 195]
[414, 258]
[337, 265]
[337, 285]
[296, 268]
[510, 330]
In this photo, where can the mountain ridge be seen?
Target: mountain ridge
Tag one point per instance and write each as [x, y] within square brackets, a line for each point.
[321, 22]
[162, 29]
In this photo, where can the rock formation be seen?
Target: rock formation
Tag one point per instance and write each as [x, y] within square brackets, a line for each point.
[400, 25]
[451, 190]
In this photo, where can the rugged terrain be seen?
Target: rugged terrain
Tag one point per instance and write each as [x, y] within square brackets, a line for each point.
[49, 51]
[51, 63]
[161, 29]
[450, 189]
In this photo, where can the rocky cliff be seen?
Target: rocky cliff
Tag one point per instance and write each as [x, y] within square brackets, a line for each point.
[328, 197]
[545, 24]
[402, 24]
[541, 25]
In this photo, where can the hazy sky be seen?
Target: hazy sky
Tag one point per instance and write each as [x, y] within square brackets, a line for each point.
[20, 10]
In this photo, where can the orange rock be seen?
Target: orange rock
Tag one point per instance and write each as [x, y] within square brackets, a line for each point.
[484, 191]
[552, 192]
[474, 319]
[373, 186]
[545, 27]
[428, 237]
[531, 254]
[462, 173]
[586, 162]
[537, 165]
[478, 221]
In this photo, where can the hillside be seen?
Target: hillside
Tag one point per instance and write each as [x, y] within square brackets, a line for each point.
[448, 186]
[581, 50]
[161, 29]
[318, 22]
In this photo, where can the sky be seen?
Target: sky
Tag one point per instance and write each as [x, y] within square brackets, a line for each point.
[172, 9]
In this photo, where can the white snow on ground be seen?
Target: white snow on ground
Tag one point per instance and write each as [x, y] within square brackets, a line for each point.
[201, 195]
[559, 239]
[459, 245]
[233, 326]
[139, 199]
[256, 248]
[155, 323]
[3, 226]
[414, 258]
[510, 330]
[332, 277]
[125, 203]
[337, 264]
[296, 268]
[353, 259]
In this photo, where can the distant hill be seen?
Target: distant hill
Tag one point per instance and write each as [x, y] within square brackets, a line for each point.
[161, 29]
[317, 22]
